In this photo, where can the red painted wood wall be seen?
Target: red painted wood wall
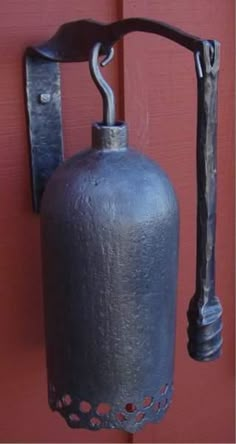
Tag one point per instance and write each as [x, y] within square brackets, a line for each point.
[155, 85]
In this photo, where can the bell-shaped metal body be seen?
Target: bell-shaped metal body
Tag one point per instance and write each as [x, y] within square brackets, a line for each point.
[109, 221]
[109, 225]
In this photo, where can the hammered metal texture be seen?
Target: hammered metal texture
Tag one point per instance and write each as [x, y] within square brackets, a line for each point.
[205, 311]
[72, 42]
[109, 222]
[43, 94]
[110, 246]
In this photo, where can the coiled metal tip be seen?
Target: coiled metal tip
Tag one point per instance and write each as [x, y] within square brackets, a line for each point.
[204, 331]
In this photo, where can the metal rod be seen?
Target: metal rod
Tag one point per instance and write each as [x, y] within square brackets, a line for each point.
[103, 87]
[205, 311]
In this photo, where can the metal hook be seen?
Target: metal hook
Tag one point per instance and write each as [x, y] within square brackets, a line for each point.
[103, 87]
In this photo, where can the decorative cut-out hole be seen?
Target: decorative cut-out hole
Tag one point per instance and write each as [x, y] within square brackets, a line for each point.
[139, 417]
[59, 404]
[85, 407]
[66, 400]
[121, 417]
[164, 403]
[163, 389]
[157, 406]
[130, 407]
[95, 422]
[74, 417]
[147, 401]
[103, 409]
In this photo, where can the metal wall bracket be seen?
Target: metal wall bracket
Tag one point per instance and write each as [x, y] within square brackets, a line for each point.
[73, 43]
[44, 118]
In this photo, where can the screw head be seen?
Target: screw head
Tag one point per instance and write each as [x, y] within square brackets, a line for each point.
[44, 98]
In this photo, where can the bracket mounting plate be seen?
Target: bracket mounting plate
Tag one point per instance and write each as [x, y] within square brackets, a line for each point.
[43, 100]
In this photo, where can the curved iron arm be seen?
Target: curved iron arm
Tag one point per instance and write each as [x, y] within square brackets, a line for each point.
[73, 42]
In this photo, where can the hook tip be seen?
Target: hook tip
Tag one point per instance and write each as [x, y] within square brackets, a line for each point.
[103, 87]
[108, 57]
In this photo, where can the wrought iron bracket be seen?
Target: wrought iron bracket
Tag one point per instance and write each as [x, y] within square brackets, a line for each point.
[73, 43]
[43, 94]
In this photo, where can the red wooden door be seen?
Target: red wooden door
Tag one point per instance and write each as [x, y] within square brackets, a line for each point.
[155, 85]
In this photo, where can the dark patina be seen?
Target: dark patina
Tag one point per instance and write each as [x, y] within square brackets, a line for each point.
[109, 225]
